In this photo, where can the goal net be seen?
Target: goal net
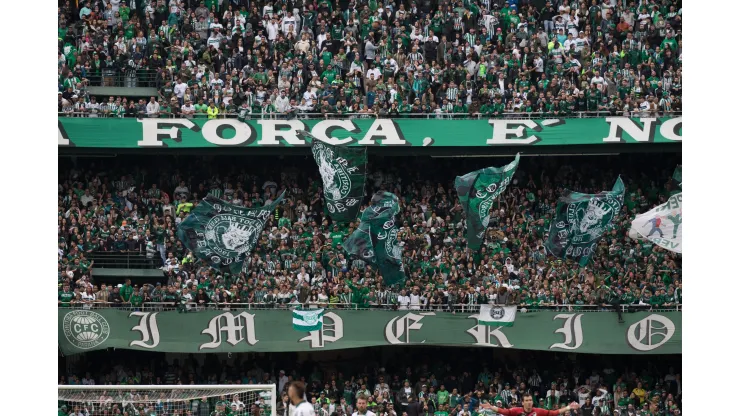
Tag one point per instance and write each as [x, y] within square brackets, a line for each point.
[188, 400]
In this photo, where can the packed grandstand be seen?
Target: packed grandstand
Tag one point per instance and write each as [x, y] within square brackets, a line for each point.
[463, 59]
[132, 212]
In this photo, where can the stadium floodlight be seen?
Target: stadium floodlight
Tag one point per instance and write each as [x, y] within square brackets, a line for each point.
[146, 400]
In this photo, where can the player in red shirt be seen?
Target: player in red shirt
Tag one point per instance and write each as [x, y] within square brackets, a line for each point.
[528, 408]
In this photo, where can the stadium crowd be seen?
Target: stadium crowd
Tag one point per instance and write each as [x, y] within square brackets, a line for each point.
[432, 386]
[130, 209]
[384, 58]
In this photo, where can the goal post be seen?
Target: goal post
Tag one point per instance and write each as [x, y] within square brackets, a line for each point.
[168, 400]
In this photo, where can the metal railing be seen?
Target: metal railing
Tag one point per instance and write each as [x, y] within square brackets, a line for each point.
[125, 260]
[456, 308]
[353, 116]
[118, 78]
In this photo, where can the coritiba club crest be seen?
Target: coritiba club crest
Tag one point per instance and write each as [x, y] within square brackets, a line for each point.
[231, 236]
[334, 173]
[588, 221]
[497, 313]
[392, 248]
[488, 195]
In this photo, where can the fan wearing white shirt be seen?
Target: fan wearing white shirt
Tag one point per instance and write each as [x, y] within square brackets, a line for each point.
[415, 300]
[403, 300]
[600, 398]
[180, 88]
[597, 79]
[362, 407]
[310, 97]
[237, 403]
[374, 71]
[297, 395]
[282, 380]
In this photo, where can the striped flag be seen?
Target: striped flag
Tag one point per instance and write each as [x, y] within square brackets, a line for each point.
[496, 315]
[308, 320]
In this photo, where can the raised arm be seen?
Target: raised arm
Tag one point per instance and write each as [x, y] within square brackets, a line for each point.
[566, 409]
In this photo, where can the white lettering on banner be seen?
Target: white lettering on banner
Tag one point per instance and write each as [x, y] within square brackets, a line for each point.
[640, 334]
[332, 330]
[669, 129]
[238, 328]
[385, 132]
[388, 132]
[213, 128]
[152, 135]
[621, 126]
[511, 132]
[571, 330]
[401, 326]
[319, 131]
[483, 334]
[148, 329]
[62, 139]
[270, 132]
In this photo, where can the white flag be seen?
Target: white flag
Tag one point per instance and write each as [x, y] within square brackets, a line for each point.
[308, 320]
[661, 225]
[497, 315]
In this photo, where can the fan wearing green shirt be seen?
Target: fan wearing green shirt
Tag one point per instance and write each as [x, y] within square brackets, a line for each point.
[330, 74]
[66, 296]
[136, 298]
[443, 396]
[326, 56]
[336, 236]
[486, 110]
[201, 107]
[127, 291]
[442, 410]
[460, 108]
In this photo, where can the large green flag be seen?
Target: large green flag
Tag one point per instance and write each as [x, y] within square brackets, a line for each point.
[342, 170]
[580, 221]
[376, 239]
[477, 190]
[223, 234]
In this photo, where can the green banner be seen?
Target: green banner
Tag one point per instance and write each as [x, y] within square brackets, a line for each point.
[477, 190]
[200, 133]
[272, 330]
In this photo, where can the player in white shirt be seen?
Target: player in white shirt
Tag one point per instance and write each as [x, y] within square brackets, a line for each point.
[297, 395]
[362, 407]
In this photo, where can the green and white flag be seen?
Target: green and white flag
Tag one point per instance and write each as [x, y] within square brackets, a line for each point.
[308, 320]
[342, 170]
[580, 221]
[477, 190]
[376, 239]
[661, 225]
[497, 315]
[223, 234]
